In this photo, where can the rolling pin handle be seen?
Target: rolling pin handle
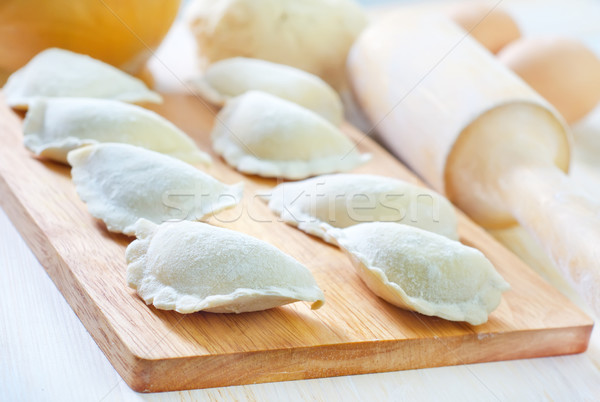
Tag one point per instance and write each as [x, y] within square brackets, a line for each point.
[563, 218]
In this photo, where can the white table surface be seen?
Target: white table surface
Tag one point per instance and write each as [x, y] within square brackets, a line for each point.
[46, 354]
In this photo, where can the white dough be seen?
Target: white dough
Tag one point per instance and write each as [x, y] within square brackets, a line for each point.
[61, 73]
[55, 126]
[343, 200]
[229, 78]
[258, 133]
[192, 266]
[312, 35]
[122, 183]
[422, 271]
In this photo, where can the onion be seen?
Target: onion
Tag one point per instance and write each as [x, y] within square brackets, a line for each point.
[119, 32]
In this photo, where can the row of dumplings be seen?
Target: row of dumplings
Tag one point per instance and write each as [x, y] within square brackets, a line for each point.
[287, 129]
[277, 121]
[125, 160]
[401, 238]
[418, 265]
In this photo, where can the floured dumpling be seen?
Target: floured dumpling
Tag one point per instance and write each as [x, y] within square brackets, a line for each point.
[422, 271]
[192, 266]
[232, 77]
[122, 183]
[258, 133]
[55, 126]
[61, 73]
[343, 200]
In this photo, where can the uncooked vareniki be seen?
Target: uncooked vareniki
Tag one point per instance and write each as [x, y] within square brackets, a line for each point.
[61, 73]
[55, 126]
[258, 133]
[192, 266]
[343, 200]
[422, 271]
[121, 183]
[232, 77]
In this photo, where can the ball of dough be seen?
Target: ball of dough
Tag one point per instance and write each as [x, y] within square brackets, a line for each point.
[313, 35]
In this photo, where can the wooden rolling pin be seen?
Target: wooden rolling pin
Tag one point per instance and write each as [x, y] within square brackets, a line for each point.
[479, 134]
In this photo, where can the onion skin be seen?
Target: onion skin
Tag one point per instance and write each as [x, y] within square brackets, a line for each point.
[119, 32]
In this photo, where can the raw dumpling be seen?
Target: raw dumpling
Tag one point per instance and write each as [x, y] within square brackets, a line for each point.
[262, 134]
[55, 126]
[61, 73]
[312, 35]
[422, 271]
[343, 200]
[232, 77]
[122, 183]
[192, 266]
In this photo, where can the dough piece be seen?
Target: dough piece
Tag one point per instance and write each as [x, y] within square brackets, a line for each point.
[262, 134]
[312, 35]
[422, 271]
[55, 126]
[233, 77]
[343, 200]
[61, 73]
[122, 183]
[192, 266]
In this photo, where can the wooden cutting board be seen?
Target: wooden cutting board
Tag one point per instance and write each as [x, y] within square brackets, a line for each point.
[355, 332]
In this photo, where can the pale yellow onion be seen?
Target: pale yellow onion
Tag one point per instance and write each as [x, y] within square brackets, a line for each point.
[119, 32]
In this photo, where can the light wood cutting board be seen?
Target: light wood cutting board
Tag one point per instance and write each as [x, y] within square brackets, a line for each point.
[355, 332]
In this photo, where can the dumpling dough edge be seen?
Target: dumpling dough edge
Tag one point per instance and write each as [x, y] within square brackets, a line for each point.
[21, 102]
[376, 279]
[237, 157]
[296, 217]
[135, 255]
[57, 149]
[97, 208]
[334, 112]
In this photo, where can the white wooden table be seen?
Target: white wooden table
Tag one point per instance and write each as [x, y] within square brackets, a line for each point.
[47, 355]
